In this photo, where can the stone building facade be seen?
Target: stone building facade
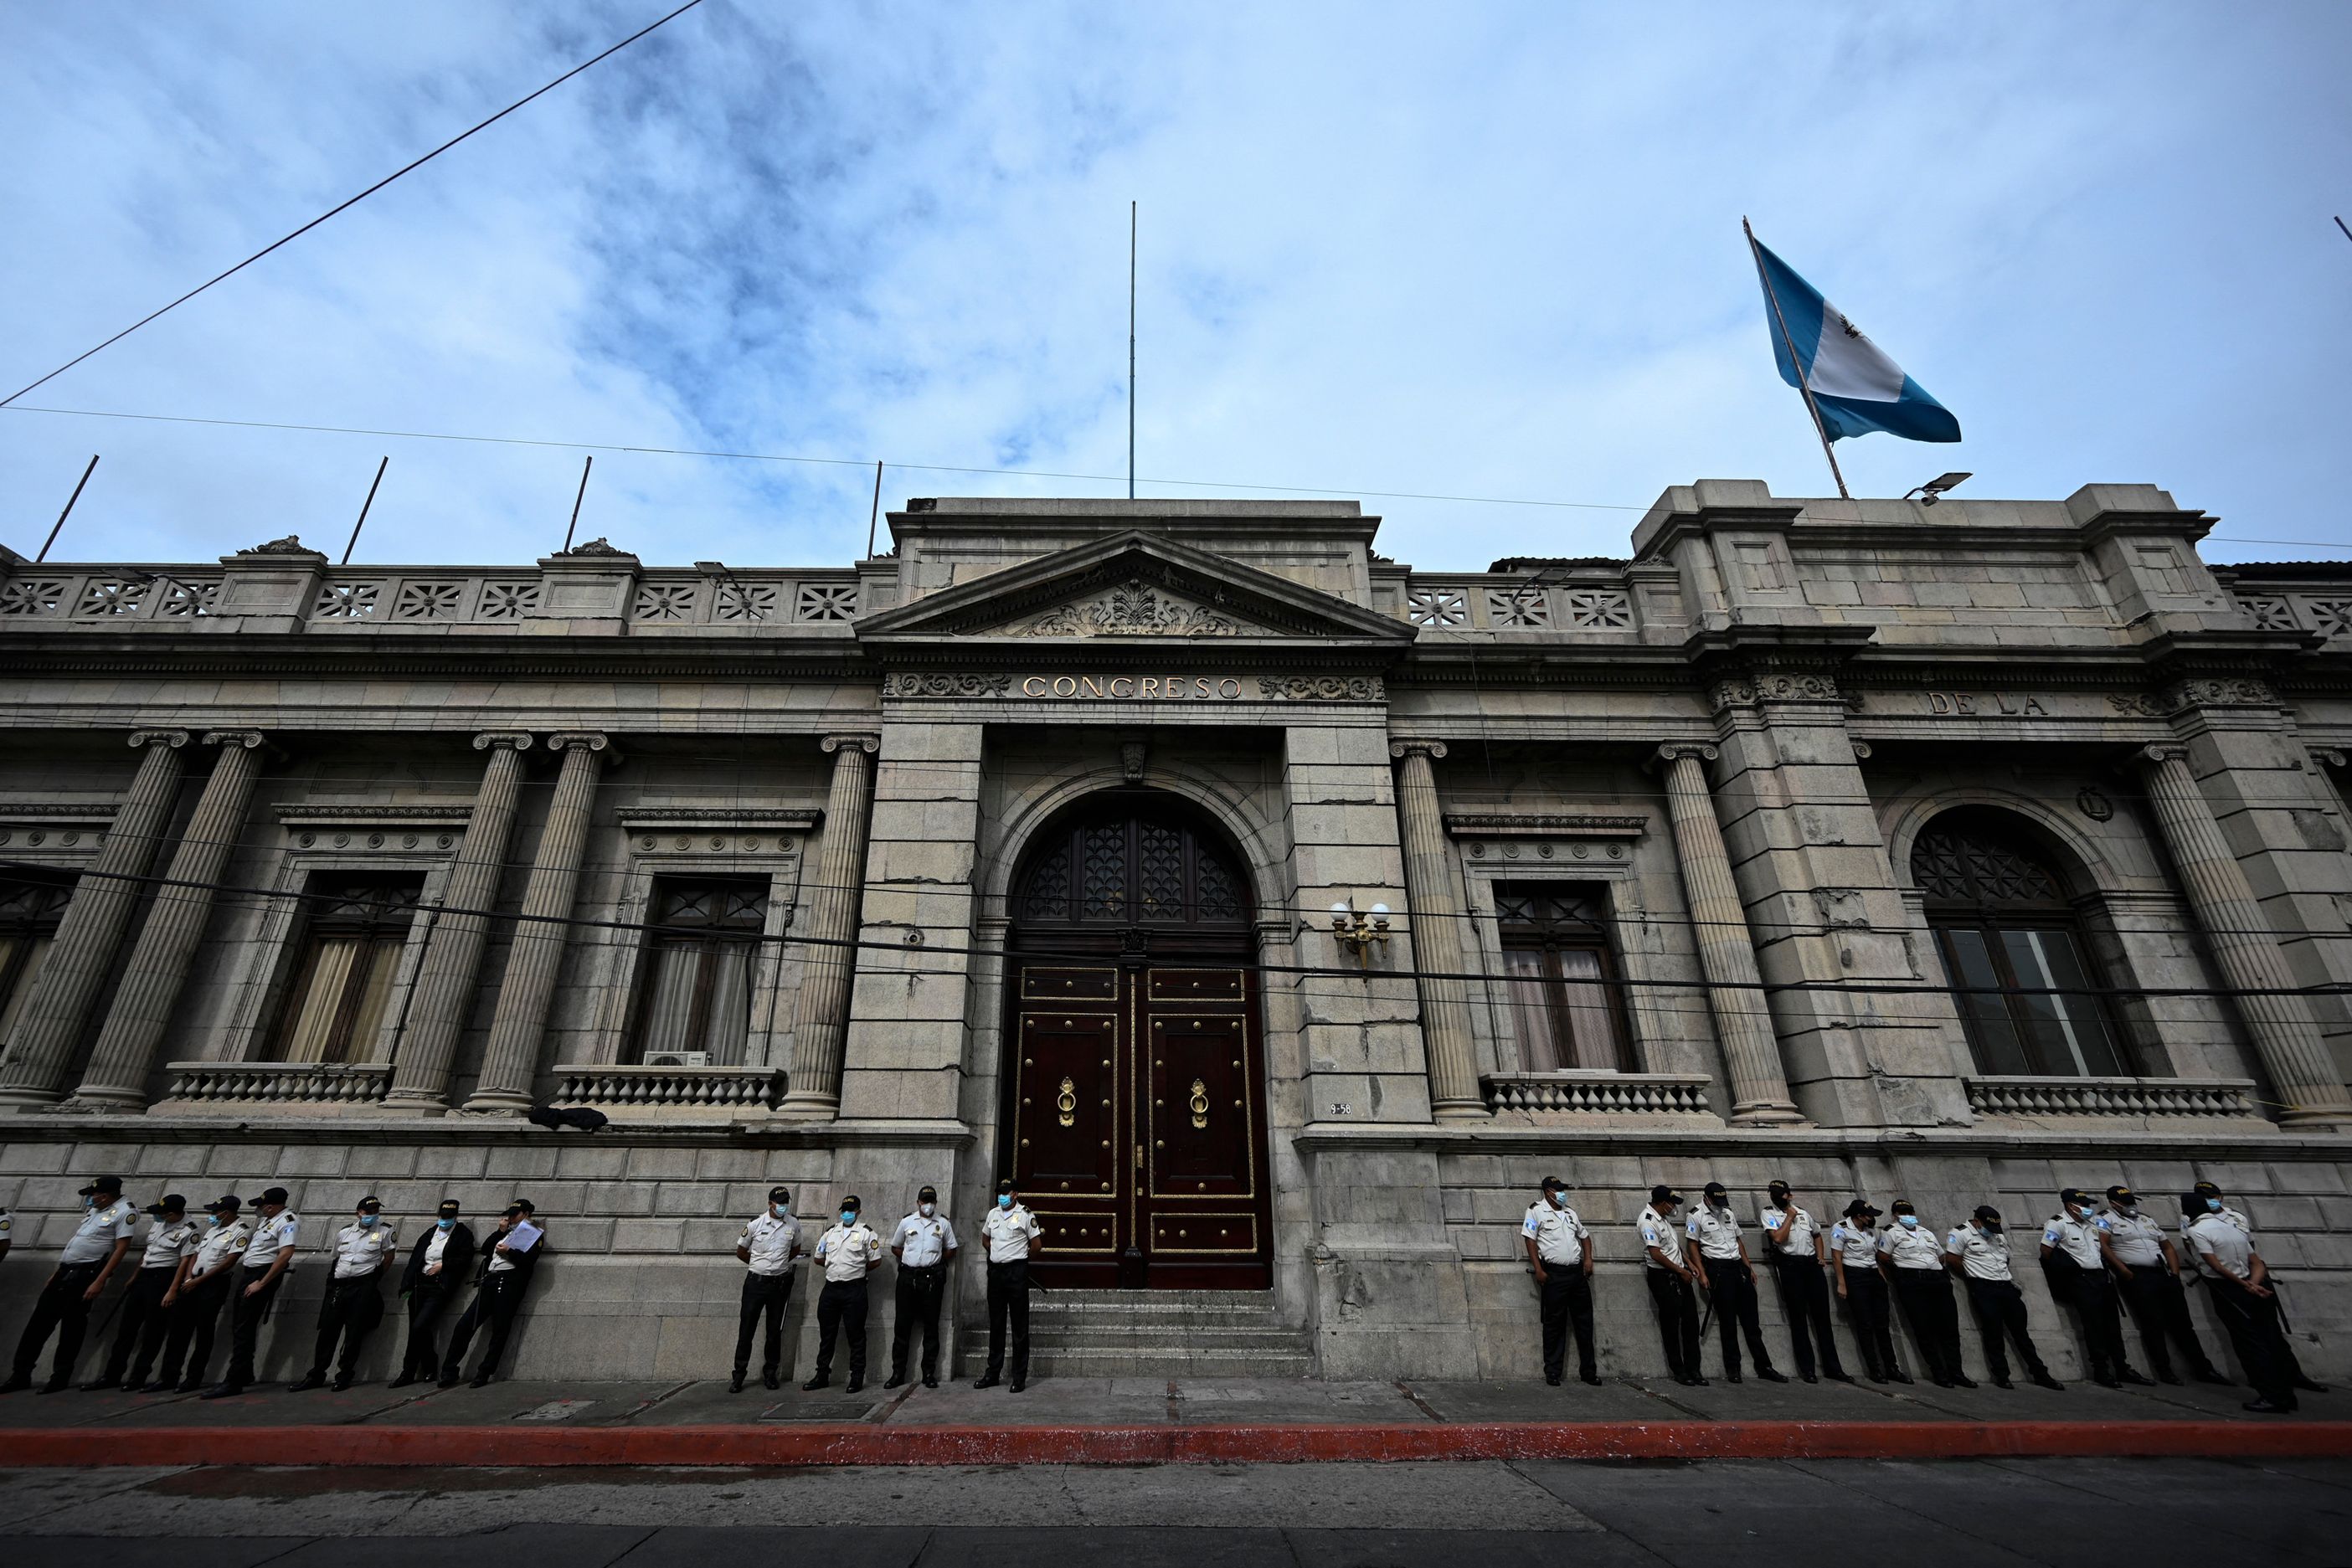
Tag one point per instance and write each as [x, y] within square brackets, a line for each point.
[1277, 914]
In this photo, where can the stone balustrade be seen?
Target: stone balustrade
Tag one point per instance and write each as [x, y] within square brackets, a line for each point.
[2020, 1096]
[1599, 1093]
[614, 1088]
[229, 1085]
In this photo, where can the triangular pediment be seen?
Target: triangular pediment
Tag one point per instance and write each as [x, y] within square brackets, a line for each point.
[1134, 586]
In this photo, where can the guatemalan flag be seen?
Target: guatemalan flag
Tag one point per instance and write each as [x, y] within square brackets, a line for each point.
[1854, 385]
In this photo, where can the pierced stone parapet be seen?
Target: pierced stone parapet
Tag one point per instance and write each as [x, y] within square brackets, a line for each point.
[608, 1086]
[2022, 1096]
[278, 1082]
[1599, 1093]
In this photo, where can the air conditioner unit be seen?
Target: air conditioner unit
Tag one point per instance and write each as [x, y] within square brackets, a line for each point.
[678, 1058]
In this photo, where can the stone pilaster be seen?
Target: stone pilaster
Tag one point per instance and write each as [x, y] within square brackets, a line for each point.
[40, 1052]
[443, 992]
[2301, 1069]
[821, 1012]
[117, 1076]
[1435, 890]
[1743, 1021]
[511, 1060]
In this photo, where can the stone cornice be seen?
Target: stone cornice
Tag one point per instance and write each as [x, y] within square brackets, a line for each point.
[55, 811]
[337, 811]
[1828, 1143]
[1543, 825]
[233, 1130]
[790, 819]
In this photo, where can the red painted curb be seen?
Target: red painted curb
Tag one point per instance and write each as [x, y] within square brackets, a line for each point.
[862, 1444]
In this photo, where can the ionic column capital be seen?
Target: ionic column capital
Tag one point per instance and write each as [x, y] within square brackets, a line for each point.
[1400, 749]
[172, 738]
[864, 741]
[515, 739]
[247, 739]
[1674, 751]
[2160, 752]
[565, 740]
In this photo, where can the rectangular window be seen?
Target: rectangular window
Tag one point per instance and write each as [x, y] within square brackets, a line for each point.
[353, 929]
[30, 908]
[2009, 982]
[1564, 1010]
[696, 992]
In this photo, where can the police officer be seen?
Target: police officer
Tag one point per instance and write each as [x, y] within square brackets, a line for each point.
[1914, 1258]
[170, 1242]
[770, 1242]
[507, 1266]
[1714, 1231]
[2243, 1299]
[1670, 1279]
[438, 1267]
[848, 1252]
[192, 1308]
[90, 1253]
[2206, 1199]
[1559, 1251]
[1798, 1254]
[2148, 1275]
[353, 1304]
[1008, 1230]
[261, 1273]
[924, 1243]
[1862, 1286]
[2075, 1250]
[1979, 1253]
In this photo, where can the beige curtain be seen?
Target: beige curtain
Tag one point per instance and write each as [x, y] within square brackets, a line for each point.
[1591, 1022]
[1528, 996]
[318, 997]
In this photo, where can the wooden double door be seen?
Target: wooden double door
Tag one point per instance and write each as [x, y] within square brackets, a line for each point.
[1137, 1123]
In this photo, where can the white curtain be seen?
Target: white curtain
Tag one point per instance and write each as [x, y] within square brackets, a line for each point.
[1591, 1022]
[319, 997]
[1528, 994]
[730, 1025]
[669, 1013]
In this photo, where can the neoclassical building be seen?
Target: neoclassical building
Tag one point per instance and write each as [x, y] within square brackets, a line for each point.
[1275, 913]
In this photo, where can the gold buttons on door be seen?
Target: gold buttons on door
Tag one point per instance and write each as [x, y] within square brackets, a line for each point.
[1105, 1186]
[1159, 1142]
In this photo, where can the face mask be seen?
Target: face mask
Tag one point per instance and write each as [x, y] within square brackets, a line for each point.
[218, 1220]
[89, 1202]
[1004, 1200]
[446, 1224]
[1718, 1203]
[2074, 1211]
[2126, 1209]
[1910, 1221]
[929, 1208]
[513, 1219]
[1868, 1223]
[849, 1217]
[2213, 1204]
[1989, 1227]
[368, 1221]
[779, 1210]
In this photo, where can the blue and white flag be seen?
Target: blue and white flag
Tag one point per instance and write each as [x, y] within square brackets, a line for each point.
[1854, 385]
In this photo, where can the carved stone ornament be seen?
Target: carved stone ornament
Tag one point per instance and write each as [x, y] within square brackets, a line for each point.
[565, 740]
[1400, 749]
[1131, 754]
[2240, 691]
[1322, 688]
[291, 545]
[869, 743]
[172, 738]
[247, 739]
[599, 545]
[1134, 609]
[1745, 691]
[2136, 705]
[909, 683]
[519, 740]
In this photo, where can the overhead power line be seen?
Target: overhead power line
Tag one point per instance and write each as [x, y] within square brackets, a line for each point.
[346, 206]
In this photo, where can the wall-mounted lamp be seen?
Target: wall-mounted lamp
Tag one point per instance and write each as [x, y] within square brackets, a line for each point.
[1929, 494]
[1359, 932]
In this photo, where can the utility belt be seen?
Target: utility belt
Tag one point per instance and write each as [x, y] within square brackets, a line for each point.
[78, 1273]
[920, 1267]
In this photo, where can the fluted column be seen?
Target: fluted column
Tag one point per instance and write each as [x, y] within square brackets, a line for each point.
[125, 1053]
[1743, 1023]
[444, 991]
[512, 1060]
[2301, 1069]
[821, 1012]
[33, 1066]
[1436, 926]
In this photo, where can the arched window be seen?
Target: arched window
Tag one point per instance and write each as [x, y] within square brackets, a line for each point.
[2013, 950]
[1131, 867]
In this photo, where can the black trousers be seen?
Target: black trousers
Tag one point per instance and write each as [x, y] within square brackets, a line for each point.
[247, 1313]
[138, 1320]
[1874, 1321]
[1805, 1302]
[2103, 1327]
[2252, 1322]
[1735, 1312]
[1566, 1298]
[917, 1295]
[190, 1324]
[764, 1296]
[427, 1305]
[497, 1299]
[1926, 1297]
[60, 1310]
[1999, 1310]
[351, 1311]
[1677, 1321]
[1008, 1302]
[841, 1311]
[2159, 1304]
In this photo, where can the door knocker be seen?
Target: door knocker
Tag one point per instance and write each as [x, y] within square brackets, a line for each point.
[1067, 1104]
[1200, 1103]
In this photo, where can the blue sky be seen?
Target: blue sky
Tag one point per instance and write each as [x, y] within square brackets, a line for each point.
[1486, 250]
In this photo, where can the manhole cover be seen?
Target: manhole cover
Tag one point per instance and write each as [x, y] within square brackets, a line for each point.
[555, 1410]
[835, 1410]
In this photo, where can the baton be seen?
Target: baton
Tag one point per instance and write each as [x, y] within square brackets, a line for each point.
[1707, 1316]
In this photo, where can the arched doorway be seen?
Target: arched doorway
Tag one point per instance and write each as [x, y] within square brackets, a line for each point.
[1134, 1111]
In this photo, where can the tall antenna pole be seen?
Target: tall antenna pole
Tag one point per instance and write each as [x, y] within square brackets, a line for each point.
[1131, 351]
[582, 496]
[874, 519]
[1820, 428]
[76, 496]
[363, 512]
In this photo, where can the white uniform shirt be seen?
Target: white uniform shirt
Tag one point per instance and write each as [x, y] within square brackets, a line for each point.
[219, 1245]
[435, 1245]
[1558, 1234]
[504, 1262]
[99, 1229]
[771, 1242]
[167, 1244]
[2222, 1250]
[2225, 1214]
[921, 1242]
[847, 1251]
[1981, 1256]
[2078, 1239]
[1857, 1247]
[270, 1235]
[1717, 1231]
[361, 1249]
[2138, 1241]
[1656, 1230]
[1008, 1232]
[1912, 1246]
[1800, 1233]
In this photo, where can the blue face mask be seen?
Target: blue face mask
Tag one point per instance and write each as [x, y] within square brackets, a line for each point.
[779, 1211]
[849, 1217]
[1004, 1200]
[1910, 1221]
[89, 1202]
[219, 1220]
[2213, 1205]
[450, 1224]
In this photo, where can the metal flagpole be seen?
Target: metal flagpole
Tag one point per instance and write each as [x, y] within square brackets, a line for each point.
[873, 518]
[1131, 351]
[582, 496]
[364, 511]
[93, 468]
[1820, 428]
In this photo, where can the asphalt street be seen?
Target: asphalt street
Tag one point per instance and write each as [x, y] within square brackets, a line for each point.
[2083, 1513]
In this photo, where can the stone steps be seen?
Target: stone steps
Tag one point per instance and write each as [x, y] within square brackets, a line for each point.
[1156, 1333]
